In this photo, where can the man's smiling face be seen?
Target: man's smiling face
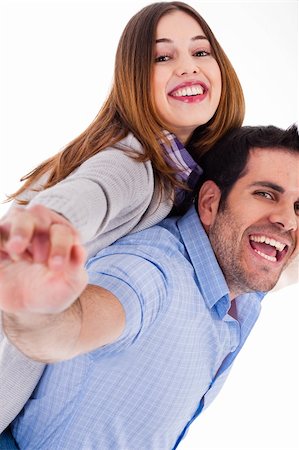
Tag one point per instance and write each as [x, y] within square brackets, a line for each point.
[256, 234]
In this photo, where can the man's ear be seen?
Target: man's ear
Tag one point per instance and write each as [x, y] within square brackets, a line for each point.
[208, 202]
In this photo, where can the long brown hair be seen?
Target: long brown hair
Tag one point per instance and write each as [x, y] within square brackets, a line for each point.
[130, 108]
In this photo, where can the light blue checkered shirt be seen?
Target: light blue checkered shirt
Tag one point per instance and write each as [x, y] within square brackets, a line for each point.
[143, 391]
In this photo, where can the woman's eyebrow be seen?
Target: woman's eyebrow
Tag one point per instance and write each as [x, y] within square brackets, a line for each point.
[199, 37]
[170, 41]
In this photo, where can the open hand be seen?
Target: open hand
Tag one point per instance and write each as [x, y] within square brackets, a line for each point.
[30, 232]
[43, 270]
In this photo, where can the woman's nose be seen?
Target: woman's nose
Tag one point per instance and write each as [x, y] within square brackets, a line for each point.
[187, 66]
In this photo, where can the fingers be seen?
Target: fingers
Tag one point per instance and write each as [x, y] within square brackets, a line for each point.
[31, 231]
[59, 251]
[22, 227]
[62, 241]
[18, 227]
[78, 255]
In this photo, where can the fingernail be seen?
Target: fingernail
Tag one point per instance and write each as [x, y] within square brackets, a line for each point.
[56, 261]
[14, 243]
[14, 257]
[16, 238]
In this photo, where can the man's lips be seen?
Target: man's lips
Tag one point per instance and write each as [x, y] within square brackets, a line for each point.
[270, 248]
[189, 91]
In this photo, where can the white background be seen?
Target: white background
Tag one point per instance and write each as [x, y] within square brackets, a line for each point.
[56, 68]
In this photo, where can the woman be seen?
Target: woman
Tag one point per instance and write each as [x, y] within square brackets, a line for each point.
[174, 95]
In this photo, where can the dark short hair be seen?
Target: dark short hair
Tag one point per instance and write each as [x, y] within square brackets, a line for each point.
[226, 161]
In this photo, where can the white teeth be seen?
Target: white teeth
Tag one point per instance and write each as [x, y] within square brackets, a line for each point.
[278, 245]
[188, 91]
[269, 258]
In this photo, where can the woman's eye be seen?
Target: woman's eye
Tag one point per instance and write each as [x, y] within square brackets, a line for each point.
[202, 53]
[296, 208]
[162, 58]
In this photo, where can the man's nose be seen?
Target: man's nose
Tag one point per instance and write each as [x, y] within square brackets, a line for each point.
[285, 217]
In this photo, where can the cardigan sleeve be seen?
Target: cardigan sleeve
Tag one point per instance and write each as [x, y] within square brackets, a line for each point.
[110, 186]
[18, 378]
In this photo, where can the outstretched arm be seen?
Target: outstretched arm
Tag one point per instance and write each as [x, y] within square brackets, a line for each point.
[110, 192]
[47, 310]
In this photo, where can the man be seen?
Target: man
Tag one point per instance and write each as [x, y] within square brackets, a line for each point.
[136, 356]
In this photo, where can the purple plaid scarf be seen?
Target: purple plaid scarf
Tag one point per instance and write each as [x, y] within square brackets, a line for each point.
[179, 158]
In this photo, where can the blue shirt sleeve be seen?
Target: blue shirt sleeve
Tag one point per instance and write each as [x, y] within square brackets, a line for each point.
[139, 284]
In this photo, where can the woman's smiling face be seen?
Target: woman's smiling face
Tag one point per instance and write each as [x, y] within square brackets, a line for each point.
[186, 78]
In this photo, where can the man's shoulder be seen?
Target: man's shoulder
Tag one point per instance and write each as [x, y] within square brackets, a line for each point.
[163, 238]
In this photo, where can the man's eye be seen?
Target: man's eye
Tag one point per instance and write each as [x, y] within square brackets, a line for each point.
[162, 58]
[296, 208]
[202, 53]
[264, 194]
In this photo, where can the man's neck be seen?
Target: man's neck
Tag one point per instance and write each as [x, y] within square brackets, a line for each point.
[233, 310]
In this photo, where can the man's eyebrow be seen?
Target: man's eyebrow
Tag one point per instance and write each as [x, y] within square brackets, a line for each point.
[270, 185]
[169, 41]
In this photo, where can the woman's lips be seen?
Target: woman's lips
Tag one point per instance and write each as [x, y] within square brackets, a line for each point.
[189, 92]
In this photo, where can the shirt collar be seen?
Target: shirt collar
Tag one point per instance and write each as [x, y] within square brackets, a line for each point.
[211, 280]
